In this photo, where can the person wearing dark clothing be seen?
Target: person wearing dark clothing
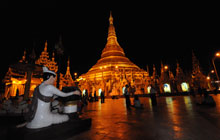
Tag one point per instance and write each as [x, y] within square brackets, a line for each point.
[200, 91]
[95, 97]
[136, 103]
[208, 100]
[127, 97]
[90, 97]
[153, 96]
[102, 97]
[85, 98]
[216, 90]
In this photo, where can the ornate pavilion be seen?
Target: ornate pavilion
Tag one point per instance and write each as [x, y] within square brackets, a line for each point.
[16, 78]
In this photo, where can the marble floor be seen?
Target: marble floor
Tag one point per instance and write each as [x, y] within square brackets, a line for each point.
[174, 118]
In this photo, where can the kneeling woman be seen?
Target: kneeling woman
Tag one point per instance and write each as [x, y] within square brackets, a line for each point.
[40, 114]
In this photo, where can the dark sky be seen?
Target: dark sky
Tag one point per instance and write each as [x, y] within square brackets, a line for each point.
[148, 33]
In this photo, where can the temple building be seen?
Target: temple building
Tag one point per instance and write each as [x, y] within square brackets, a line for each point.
[16, 79]
[67, 80]
[113, 70]
[110, 74]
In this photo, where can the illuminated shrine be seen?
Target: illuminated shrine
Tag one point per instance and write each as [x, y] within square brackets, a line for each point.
[17, 76]
[113, 70]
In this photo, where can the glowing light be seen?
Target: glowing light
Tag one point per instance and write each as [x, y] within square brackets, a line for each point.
[100, 91]
[185, 87]
[217, 54]
[166, 67]
[123, 90]
[166, 88]
[148, 89]
[84, 92]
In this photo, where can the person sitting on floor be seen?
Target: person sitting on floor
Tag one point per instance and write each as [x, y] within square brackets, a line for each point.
[207, 100]
[137, 103]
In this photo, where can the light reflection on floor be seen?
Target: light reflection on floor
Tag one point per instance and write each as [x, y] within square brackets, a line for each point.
[173, 118]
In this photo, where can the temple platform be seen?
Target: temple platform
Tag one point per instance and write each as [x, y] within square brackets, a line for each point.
[174, 118]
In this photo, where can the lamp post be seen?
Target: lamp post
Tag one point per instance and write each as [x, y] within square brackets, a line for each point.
[75, 75]
[213, 59]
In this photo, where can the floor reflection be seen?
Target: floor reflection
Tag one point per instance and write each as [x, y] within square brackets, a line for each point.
[174, 117]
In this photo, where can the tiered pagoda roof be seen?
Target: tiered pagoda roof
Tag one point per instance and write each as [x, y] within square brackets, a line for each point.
[112, 57]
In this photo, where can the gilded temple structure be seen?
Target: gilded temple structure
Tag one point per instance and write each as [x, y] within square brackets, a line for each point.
[113, 70]
[110, 74]
[16, 78]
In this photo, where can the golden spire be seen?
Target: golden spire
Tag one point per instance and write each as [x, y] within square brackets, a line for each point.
[110, 18]
[112, 46]
[45, 47]
[53, 57]
[68, 68]
[111, 31]
[23, 57]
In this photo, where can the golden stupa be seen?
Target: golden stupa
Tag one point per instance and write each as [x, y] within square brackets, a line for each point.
[113, 67]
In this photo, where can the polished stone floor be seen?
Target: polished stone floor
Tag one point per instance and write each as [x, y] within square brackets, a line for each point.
[174, 118]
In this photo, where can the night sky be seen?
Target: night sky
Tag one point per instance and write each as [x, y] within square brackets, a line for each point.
[148, 33]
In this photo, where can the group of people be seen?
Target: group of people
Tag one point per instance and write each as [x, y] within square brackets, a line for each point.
[206, 99]
[94, 98]
[136, 102]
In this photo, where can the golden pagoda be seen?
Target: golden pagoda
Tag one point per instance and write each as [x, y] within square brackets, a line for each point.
[113, 70]
[44, 60]
[66, 80]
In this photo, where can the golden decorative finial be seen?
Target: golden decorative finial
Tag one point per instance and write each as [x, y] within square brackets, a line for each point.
[45, 47]
[53, 56]
[110, 18]
[23, 57]
[68, 62]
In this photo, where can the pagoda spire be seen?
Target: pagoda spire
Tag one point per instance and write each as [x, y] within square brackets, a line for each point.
[110, 18]
[68, 67]
[112, 38]
[23, 57]
[68, 78]
[45, 46]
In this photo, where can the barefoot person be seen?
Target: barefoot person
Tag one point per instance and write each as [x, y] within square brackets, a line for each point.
[40, 114]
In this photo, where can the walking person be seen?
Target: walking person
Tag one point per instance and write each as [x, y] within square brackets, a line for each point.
[127, 96]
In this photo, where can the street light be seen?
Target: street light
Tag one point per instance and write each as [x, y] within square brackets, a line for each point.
[75, 74]
[213, 59]
[166, 67]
